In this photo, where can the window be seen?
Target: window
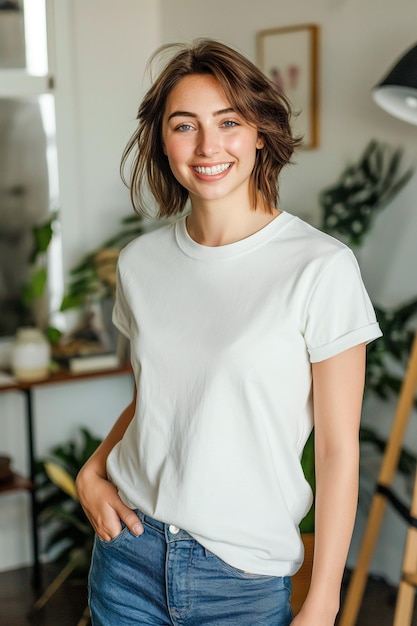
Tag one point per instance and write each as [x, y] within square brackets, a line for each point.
[29, 189]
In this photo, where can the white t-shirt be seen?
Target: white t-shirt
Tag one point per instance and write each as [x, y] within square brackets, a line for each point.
[222, 340]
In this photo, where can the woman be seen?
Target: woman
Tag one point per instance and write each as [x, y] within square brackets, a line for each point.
[247, 326]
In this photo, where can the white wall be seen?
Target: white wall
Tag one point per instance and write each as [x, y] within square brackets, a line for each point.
[102, 47]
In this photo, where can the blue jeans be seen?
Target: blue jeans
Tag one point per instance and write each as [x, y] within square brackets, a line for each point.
[165, 577]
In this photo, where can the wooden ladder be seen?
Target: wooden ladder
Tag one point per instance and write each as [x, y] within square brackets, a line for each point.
[408, 584]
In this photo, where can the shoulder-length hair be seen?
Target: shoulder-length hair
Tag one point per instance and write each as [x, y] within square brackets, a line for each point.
[250, 93]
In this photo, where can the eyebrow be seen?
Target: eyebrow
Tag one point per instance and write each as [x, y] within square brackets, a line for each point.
[194, 115]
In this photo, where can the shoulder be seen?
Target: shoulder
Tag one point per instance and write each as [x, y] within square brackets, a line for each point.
[299, 231]
[143, 247]
[314, 248]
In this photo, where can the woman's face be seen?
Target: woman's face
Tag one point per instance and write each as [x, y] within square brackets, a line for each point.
[211, 149]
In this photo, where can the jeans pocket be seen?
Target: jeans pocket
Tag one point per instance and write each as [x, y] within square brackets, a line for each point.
[117, 539]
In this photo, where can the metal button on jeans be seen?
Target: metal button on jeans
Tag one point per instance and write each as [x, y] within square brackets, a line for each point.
[173, 529]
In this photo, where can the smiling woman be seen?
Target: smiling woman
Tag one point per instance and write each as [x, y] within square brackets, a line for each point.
[238, 312]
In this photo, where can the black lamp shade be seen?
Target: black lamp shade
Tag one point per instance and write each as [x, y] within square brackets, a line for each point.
[397, 92]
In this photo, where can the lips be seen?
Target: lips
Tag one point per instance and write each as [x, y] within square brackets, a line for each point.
[212, 170]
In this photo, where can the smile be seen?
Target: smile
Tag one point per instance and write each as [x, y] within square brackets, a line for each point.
[212, 171]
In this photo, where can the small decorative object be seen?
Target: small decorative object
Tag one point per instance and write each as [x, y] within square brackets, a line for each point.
[30, 355]
[289, 56]
[88, 341]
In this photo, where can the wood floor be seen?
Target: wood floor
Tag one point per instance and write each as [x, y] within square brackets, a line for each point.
[378, 606]
[67, 605]
[17, 598]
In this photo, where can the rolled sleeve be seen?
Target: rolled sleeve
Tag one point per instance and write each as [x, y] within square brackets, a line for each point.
[340, 314]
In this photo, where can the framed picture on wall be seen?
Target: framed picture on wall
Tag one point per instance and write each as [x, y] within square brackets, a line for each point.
[289, 57]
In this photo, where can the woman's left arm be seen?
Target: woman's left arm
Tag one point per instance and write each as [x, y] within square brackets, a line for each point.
[338, 385]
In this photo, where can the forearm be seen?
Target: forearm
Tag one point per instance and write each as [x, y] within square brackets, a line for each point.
[336, 503]
[337, 394]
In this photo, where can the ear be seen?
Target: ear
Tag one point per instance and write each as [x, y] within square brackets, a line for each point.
[260, 143]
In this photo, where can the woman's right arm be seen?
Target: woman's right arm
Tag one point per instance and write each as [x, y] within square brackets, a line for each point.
[98, 496]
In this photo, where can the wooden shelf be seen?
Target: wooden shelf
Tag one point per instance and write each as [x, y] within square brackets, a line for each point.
[64, 376]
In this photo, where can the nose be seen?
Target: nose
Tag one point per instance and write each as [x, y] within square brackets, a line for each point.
[208, 142]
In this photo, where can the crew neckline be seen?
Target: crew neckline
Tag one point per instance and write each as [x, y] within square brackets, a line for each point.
[229, 250]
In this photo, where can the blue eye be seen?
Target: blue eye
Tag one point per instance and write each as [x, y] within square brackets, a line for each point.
[184, 127]
[229, 123]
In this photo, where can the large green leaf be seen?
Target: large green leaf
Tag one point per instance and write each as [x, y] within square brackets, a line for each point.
[42, 236]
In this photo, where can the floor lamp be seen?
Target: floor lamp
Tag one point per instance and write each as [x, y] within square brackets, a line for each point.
[396, 94]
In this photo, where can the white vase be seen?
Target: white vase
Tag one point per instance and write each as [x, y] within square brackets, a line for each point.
[31, 355]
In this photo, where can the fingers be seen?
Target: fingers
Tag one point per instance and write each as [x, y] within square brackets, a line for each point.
[106, 522]
[104, 508]
[131, 520]
[124, 513]
[110, 526]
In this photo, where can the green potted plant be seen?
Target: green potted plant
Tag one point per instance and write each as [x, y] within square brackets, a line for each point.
[69, 535]
[93, 278]
[363, 190]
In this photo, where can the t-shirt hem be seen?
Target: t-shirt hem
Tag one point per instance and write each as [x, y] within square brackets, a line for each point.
[366, 334]
[270, 567]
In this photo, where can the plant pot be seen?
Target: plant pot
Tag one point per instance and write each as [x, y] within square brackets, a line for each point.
[301, 580]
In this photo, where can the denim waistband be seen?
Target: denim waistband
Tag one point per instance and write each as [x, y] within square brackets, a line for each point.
[171, 532]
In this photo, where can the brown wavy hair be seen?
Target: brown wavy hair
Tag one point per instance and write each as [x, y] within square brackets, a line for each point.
[251, 94]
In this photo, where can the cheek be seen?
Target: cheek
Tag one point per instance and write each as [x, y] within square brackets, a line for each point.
[244, 147]
[176, 156]
[176, 152]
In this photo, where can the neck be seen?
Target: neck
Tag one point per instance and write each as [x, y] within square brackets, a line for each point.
[219, 226]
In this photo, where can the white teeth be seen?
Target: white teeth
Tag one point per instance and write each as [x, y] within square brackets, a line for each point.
[211, 171]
